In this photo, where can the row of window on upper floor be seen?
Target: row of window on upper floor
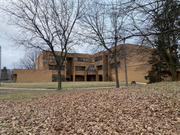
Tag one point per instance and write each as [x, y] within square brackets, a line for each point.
[51, 57]
[55, 67]
[77, 68]
[80, 59]
[82, 68]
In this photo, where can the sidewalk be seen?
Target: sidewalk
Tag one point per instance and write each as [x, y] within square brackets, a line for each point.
[7, 88]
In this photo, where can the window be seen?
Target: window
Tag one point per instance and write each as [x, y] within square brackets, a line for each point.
[98, 58]
[112, 65]
[45, 60]
[51, 57]
[99, 67]
[110, 55]
[118, 53]
[81, 59]
[55, 67]
[80, 68]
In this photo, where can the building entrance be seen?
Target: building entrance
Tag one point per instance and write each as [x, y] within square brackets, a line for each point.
[91, 77]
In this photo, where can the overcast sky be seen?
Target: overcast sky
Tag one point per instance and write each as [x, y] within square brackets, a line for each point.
[9, 54]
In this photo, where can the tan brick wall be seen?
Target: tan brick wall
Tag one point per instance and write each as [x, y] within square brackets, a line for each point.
[32, 75]
[134, 73]
[137, 56]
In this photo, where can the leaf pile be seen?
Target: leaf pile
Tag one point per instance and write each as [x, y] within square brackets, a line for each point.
[96, 112]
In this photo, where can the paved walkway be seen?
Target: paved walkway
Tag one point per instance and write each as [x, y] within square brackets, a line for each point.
[8, 88]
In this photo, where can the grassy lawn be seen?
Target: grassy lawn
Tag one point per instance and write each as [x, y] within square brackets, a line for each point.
[53, 85]
[28, 94]
[165, 88]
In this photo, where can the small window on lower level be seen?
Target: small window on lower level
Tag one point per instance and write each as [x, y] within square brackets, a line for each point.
[99, 67]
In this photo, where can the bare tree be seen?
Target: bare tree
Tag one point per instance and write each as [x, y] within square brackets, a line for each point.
[46, 24]
[157, 22]
[28, 61]
[104, 27]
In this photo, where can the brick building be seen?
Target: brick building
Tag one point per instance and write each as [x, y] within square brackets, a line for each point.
[85, 67]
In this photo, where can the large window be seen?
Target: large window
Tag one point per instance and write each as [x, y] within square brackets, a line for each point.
[55, 67]
[112, 65]
[98, 58]
[78, 59]
[45, 60]
[99, 67]
[110, 55]
[80, 68]
[51, 57]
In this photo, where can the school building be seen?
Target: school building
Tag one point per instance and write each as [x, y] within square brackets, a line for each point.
[85, 67]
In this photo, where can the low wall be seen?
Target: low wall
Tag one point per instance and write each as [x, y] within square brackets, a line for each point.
[21, 75]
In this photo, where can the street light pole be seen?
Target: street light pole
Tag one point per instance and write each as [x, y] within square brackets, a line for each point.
[125, 63]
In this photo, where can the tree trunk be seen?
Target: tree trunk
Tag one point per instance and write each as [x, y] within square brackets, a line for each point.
[174, 73]
[59, 79]
[116, 71]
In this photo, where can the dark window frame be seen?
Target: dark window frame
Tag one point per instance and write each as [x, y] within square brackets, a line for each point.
[98, 58]
[55, 67]
[45, 60]
[51, 57]
[80, 68]
[80, 59]
[100, 67]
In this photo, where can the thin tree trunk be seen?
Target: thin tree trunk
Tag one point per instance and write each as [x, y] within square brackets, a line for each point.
[173, 73]
[59, 79]
[116, 71]
[125, 63]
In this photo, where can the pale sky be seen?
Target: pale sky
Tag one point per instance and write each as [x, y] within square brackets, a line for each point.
[9, 54]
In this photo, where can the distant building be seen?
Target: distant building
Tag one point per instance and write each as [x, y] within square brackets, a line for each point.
[85, 67]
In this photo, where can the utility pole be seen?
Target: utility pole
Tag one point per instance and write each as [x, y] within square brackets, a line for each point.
[125, 63]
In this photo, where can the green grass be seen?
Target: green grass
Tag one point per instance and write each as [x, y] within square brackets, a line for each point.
[53, 85]
[30, 94]
[170, 89]
[9, 94]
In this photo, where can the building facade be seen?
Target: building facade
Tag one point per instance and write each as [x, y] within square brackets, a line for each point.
[85, 67]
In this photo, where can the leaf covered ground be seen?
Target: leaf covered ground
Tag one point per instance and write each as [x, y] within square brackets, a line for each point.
[150, 109]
